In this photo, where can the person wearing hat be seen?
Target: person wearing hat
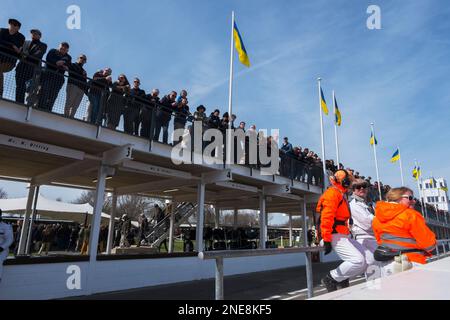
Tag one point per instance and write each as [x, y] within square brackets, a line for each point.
[334, 213]
[200, 114]
[6, 239]
[11, 42]
[32, 52]
[133, 108]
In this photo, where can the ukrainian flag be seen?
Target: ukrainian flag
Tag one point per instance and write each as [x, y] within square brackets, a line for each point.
[416, 173]
[337, 114]
[395, 157]
[373, 140]
[323, 103]
[243, 56]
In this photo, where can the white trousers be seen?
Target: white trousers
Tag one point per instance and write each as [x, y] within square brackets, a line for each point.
[353, 254]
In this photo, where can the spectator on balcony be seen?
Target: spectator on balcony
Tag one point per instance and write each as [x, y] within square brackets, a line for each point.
[116, 101]
[181, 114]
[32, 52]
[57, 63]
[11, 43]
[146, 113]
[76, 86]
[200, 114]
[163, 115]
[183, 95]
[133, 108]
[286, 155]
[214, 120]
[98, 87]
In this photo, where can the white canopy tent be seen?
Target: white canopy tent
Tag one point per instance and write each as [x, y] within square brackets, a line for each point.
[51, 209]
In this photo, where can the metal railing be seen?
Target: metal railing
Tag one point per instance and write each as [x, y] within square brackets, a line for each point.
[113, 105]
[219, 256]
[445, 244]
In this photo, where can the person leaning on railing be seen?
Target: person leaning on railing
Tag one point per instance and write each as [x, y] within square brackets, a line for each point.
[148, 112]
[163, 116]
[98, 86]
[399, 229]
[133, 108]
[11, 42]
[32, 53]
[57, 63]
[117, 101]
[76, 86]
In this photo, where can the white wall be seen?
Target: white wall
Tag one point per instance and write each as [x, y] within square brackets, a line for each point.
[48, 281]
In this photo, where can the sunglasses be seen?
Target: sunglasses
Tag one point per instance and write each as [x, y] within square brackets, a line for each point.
[410, 198]
[361, 187]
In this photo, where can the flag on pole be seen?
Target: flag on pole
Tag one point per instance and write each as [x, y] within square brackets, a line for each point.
[337, 114]
[433, 183]
[395, 156]
[416, 173]
[323, 103]
[444, 189]
[373, 140]
[243, 56]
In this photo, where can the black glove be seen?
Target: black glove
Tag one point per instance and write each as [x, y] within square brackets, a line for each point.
[1, 249]
[328, 247]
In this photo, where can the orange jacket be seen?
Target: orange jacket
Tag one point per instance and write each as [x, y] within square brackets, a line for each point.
[332, 206]
[399, 227]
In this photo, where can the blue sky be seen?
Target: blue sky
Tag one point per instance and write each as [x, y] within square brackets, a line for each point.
[396, 77]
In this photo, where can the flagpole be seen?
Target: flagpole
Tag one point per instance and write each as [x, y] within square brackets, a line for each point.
[376, 161]
[401, 166]
[230, 93]
[325, 176]
[419, 182]
[336, 130]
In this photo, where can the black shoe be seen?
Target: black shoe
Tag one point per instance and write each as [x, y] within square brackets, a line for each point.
[329, 283]
[343, 284]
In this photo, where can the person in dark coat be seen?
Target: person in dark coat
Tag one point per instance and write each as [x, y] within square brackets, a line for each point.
[11, 43]
[133, 108]
[147, 110]
[57, 63]
[163, 116]
[32, 53]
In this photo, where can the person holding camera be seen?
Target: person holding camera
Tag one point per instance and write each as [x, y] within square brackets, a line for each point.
[334, 227]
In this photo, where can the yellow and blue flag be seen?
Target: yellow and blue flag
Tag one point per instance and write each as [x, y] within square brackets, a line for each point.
[337, 113]
[239, 44]
[396, 156]
[373, 140]
[444, 189]
[416, 173]
[323, 103]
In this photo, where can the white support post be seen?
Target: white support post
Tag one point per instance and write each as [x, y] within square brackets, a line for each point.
[309, 274]
[262, 222]
[171, 228]
[112, 221]
[217, 217]
[200, 217]
[235, 219]
[290, 230]
[25, 221]
[30, 226]
[97, 216]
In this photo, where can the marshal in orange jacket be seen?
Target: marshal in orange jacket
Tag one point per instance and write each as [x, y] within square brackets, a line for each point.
[399, 227]
[333, 207]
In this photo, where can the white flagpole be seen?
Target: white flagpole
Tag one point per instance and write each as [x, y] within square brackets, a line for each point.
[230, 93]
[376, 161]
[336, 130]
[401, 166]
[325, 176]
[419, 182]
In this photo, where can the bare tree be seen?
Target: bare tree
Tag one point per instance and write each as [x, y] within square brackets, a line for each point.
[3, 194]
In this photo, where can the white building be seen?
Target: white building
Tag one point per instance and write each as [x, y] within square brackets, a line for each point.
[435, 193]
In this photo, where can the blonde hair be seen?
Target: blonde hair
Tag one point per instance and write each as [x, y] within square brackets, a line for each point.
[395, 194]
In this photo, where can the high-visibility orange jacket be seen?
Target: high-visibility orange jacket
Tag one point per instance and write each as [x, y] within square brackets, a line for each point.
[399, 227]
[334, 212]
